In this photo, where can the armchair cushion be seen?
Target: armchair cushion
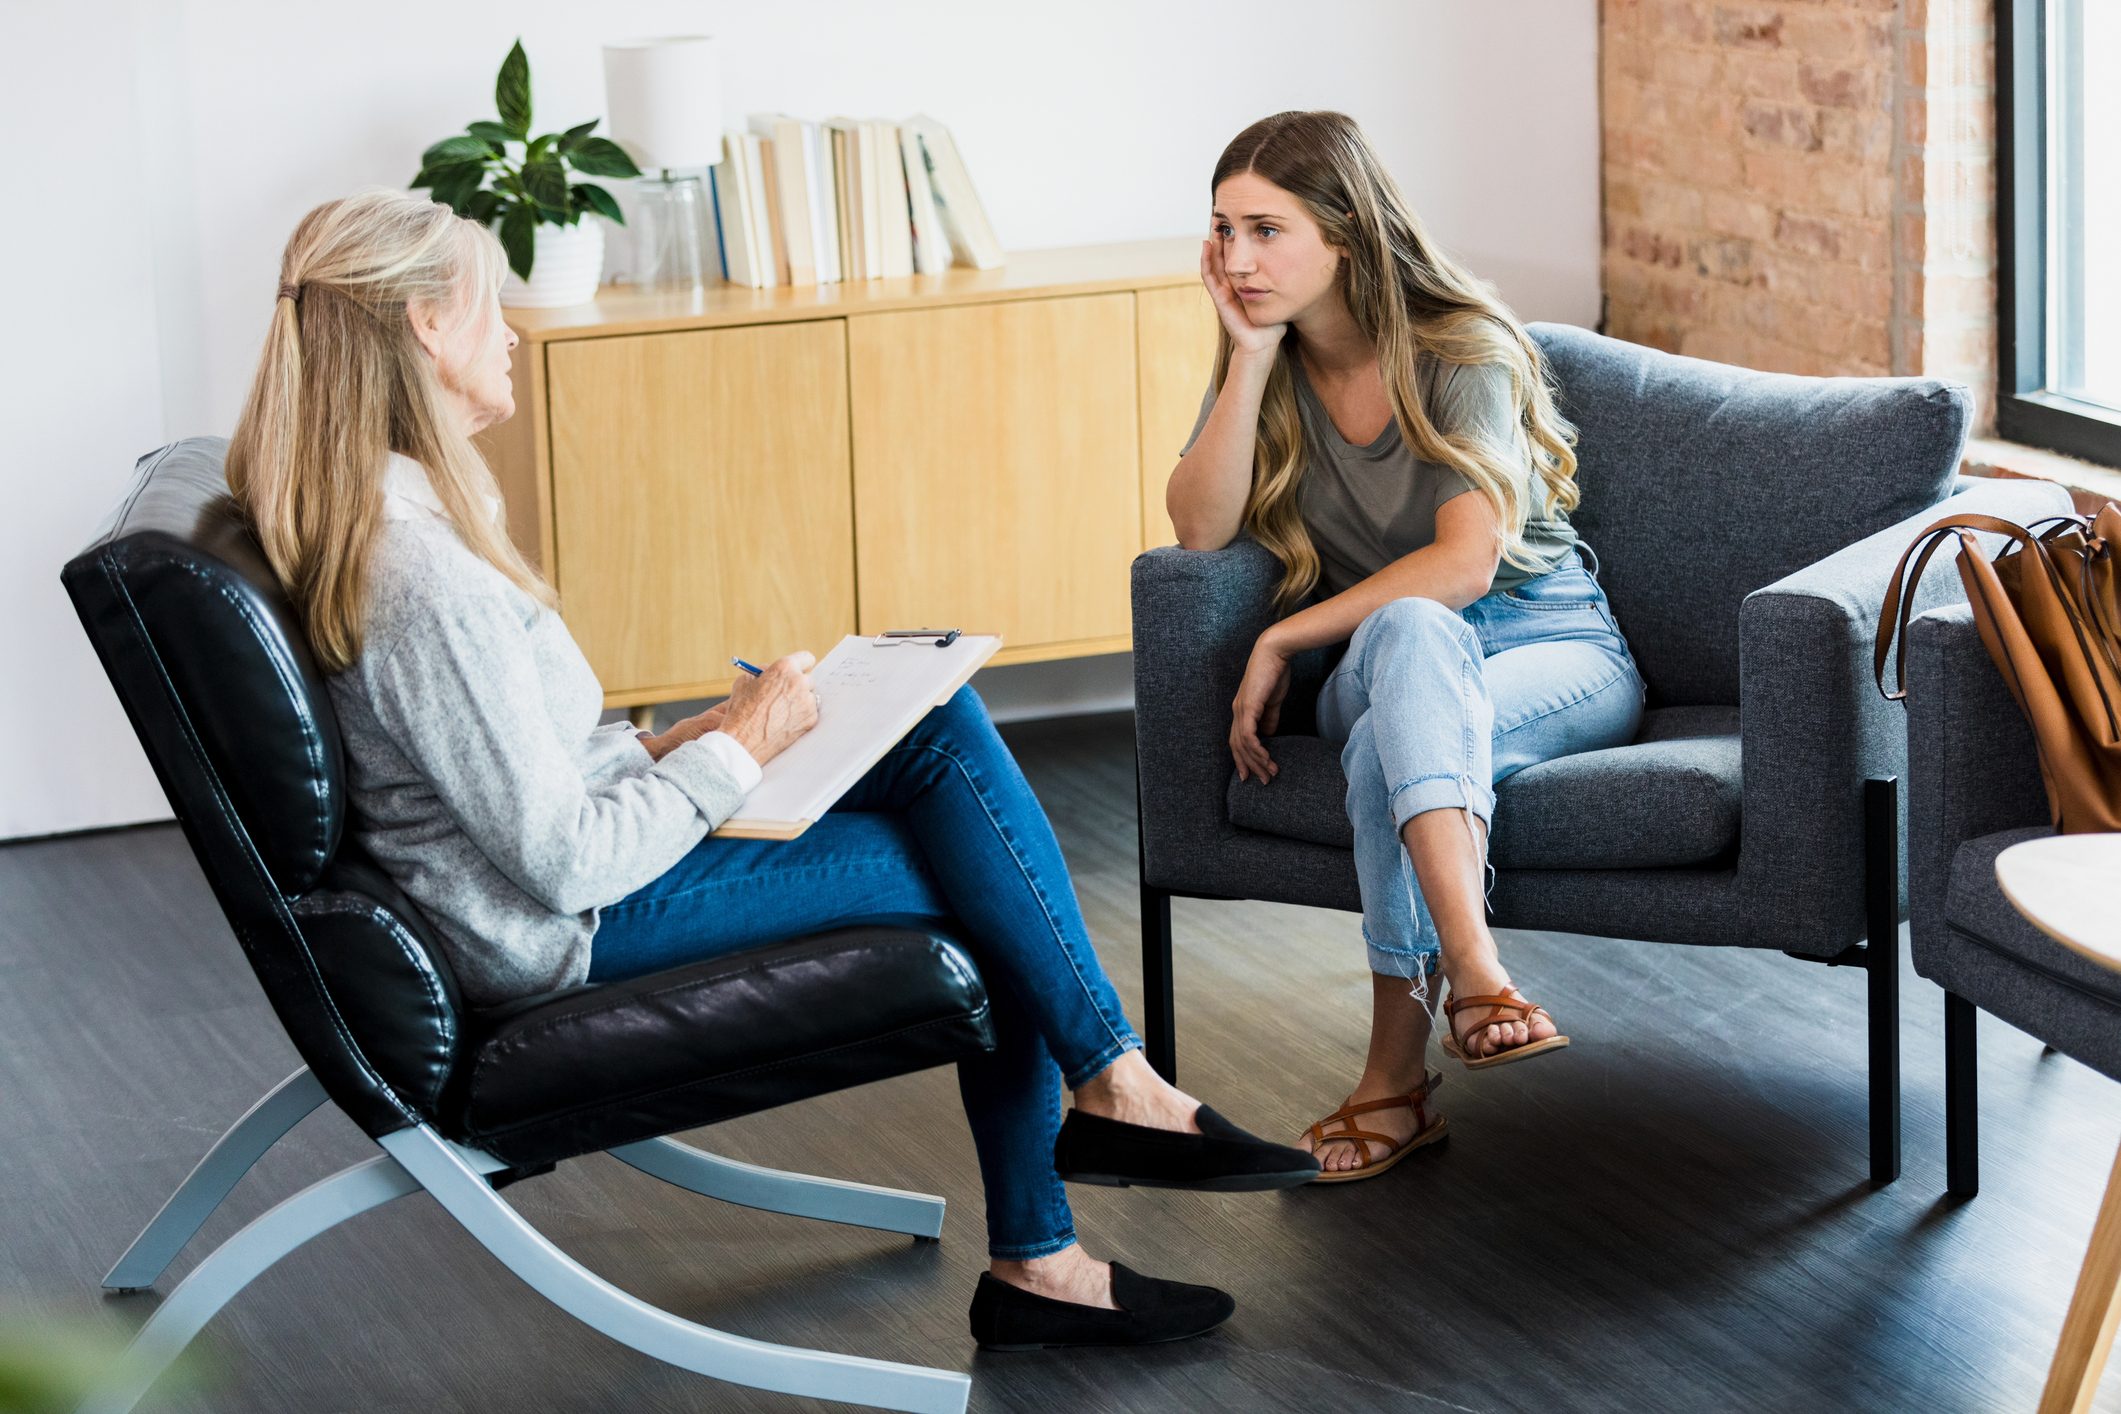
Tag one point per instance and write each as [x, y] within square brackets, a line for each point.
[1669, 798]
[1975, 907]
[584, 1069]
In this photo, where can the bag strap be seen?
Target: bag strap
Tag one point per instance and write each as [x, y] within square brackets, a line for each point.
[1900, 589]
[1900, 592]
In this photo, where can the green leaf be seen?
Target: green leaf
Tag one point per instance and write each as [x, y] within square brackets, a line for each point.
[539, 148]
[601, 157]
[572, 138]
[511, 93]
[519, 239]
[450, 184]
[485, 131]
[482, 207]
[432, 172]
[599, 201]
[451, 150]
[457, 187]
[546, 181]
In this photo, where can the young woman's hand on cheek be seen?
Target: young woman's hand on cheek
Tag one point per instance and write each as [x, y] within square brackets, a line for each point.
[1248, 337]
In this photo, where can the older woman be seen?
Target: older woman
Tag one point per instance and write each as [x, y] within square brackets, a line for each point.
[550, 850]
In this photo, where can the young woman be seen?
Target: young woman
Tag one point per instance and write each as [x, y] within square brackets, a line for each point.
[1382, 424]
[549, 850]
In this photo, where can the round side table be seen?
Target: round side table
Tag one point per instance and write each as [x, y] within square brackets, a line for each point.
[2069, 887]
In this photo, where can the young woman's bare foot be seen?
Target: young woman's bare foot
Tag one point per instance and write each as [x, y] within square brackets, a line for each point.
[1396, 1066]
[1067, 1275]
[1396, 1124]
[1478, 1035]
[1131, 1092]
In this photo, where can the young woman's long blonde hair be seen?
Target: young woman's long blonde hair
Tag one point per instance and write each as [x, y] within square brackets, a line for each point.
[1409, 299]
[343, 383]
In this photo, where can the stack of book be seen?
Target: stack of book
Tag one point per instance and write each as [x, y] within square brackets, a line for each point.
[802, 203]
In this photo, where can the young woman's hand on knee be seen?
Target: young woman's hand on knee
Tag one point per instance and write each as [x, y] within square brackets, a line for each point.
[1256, 711]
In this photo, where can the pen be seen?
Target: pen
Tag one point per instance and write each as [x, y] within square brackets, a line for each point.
[747, 667]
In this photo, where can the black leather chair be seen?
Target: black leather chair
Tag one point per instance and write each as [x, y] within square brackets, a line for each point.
[213, 671]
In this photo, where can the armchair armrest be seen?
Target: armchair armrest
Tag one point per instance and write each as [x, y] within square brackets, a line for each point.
[1972, 765]
[1813, 725]
[1197, 614]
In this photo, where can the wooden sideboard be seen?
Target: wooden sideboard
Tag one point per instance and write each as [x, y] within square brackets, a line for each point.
[745, 472]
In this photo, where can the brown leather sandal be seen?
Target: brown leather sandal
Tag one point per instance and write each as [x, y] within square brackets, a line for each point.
[1426, 1131]
[1512, 1001]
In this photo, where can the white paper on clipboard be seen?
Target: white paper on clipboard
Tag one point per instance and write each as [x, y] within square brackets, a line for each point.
[868, 697]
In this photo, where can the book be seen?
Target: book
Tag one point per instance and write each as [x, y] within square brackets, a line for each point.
[895, 227]
[872, 200]
[931, 247]
[847, 165]
[971, 237]
[733, 209]
[824, 202]
[869, 696]
[767, 252]
[787, 161]
[714, 206]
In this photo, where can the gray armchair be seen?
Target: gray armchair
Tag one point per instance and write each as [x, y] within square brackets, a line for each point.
[1975, 791]
[1746, 525]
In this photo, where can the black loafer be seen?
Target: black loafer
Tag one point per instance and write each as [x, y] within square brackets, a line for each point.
[1220, 1159]
[1006, 1317]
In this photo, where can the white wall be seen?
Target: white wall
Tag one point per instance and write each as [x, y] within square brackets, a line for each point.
[190, 134]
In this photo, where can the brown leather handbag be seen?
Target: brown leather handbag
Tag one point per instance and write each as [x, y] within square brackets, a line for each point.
[2049, 613]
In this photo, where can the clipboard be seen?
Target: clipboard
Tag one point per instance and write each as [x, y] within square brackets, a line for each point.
[871, 692]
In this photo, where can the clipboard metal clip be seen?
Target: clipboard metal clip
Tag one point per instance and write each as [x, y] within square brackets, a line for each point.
[893, 637]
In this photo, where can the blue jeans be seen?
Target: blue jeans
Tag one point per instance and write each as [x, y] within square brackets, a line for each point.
[944, 830]
[1435, 706]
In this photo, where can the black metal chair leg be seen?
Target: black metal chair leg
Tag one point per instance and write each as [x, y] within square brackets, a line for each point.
[1881, 868]
[1159, 1025]
[1962, 1108]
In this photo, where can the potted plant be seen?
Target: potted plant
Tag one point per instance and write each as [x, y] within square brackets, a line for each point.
[497, 174]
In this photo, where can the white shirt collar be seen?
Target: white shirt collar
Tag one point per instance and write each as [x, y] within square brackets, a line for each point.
[409, 495]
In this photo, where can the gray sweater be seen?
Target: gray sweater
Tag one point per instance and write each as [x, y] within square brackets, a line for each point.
[481, 781]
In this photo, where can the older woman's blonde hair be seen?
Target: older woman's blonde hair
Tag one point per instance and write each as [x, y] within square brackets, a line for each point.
[1412, 301]
[342, 383]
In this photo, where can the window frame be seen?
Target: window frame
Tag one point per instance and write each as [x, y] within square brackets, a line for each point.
[2025, 411]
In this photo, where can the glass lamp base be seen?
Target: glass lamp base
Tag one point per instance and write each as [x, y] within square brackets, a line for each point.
[671, 244]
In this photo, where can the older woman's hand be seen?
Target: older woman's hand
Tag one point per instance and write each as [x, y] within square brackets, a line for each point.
[770, 712]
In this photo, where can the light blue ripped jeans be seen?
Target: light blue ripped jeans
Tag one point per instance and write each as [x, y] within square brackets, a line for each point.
[1435, 706]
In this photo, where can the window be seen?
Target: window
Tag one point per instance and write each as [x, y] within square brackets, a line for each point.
[2058, 214]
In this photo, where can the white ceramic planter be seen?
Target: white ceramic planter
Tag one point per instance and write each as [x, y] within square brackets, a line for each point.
[566, 269]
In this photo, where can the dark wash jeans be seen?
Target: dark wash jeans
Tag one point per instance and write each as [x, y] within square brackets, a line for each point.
[944, 829]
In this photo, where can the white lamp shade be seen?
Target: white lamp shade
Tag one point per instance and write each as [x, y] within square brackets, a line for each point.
[664, 98]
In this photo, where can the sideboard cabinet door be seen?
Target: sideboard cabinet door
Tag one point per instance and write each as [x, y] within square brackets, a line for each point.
[1178, 334]
[702, 502]
[997, 469]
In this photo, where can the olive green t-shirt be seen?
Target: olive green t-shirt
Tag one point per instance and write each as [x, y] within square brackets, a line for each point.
[1367, 506]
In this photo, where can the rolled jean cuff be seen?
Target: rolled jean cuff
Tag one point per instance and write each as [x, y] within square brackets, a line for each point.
[1404, 963]
[1425, 793]
[1033, 1251]
[1098, 1064]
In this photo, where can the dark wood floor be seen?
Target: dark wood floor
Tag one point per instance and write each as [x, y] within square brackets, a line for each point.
[1671, 1216]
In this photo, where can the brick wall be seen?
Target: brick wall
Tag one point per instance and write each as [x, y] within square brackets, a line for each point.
[1801, 185]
